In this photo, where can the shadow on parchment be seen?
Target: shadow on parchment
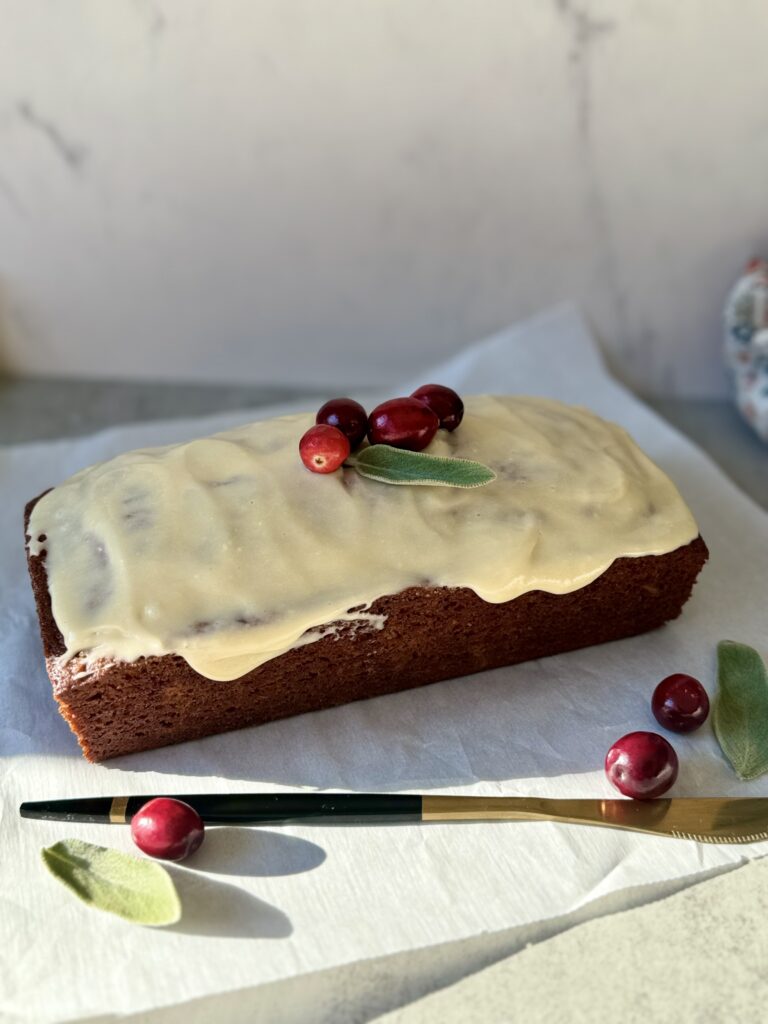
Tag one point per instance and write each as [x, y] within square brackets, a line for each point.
[220, 910]
[30, 722]
[255, 853]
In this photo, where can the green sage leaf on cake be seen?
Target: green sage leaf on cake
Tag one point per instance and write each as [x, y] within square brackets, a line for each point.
[740, 714]
[391, 465]
[138, 890]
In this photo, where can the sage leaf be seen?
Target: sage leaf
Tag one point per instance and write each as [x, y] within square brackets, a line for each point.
[740, 714]
[141, 891]
[396, 466]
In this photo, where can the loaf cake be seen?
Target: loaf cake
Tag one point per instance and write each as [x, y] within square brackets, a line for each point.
[193, 589]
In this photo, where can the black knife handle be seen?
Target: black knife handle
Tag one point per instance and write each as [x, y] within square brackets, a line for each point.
[243, 808]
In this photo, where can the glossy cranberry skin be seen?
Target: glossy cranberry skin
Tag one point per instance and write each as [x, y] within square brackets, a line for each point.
[403, 423]
[680, 703]
[642, 765]
[346, 415]
[167, 829]
[444, 402]
[323, 449]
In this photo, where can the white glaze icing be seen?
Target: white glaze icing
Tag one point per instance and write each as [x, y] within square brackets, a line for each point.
[226, 550]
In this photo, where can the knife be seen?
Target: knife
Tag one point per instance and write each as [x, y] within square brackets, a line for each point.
[704, 819]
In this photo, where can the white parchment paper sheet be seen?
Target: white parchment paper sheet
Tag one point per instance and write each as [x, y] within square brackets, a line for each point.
[267, 904]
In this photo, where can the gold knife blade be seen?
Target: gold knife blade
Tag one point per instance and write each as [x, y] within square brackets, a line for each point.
[704, 819]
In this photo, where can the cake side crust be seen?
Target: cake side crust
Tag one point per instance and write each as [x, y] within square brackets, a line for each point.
[430, 634]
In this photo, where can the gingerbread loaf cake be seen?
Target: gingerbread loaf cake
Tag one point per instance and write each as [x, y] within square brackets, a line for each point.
[199, 588]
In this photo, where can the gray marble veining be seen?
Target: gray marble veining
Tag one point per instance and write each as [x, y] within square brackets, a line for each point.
[74, 154]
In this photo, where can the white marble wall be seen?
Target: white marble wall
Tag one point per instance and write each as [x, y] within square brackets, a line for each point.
[340, 190]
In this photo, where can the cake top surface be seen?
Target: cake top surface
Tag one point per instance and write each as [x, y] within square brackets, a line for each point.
[226, 550]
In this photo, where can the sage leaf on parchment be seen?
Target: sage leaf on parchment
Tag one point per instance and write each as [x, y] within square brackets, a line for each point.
[396, 466]
[138, 890]
[741, 708]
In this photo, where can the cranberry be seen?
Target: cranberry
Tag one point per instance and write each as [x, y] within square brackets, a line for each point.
[641, 765]
[348, 416]
[168, 829]
[680, 703]
[323, 448]
[403, 423]
[444, 402]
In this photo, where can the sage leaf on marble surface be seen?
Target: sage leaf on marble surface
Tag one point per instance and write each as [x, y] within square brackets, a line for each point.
[138, 890]
[741, 708]
[391, 465]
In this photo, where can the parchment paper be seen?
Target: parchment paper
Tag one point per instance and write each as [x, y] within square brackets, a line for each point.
[267, 904]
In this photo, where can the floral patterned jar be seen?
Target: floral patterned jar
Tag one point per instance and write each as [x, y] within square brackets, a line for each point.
[746, 344]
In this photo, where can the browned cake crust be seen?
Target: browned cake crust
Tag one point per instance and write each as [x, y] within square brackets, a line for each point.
[430, 633]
